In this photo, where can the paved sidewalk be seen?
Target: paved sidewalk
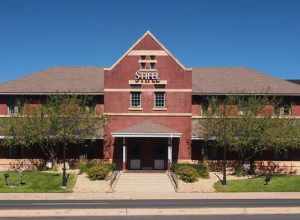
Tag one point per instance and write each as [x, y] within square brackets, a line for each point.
[147, 212]
[120, 196]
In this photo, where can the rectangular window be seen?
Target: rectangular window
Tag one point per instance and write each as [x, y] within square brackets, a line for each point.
[152, 66]
[283, 110]
[13, 110]
[13, 106]
[160, 100]
[142, 66]
[135, 101]
[13, 152]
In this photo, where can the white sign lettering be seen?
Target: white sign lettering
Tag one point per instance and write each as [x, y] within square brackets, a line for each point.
[147, 76]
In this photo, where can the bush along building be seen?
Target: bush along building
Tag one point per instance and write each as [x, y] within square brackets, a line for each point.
[154, 107]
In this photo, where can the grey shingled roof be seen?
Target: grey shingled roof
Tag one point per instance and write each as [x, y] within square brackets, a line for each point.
[58, 80]
[239, 81]
[205, 81]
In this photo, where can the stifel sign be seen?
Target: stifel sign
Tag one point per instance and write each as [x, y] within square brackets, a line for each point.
[147, 76]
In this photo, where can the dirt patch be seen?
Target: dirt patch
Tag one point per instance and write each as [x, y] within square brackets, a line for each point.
[85, 185]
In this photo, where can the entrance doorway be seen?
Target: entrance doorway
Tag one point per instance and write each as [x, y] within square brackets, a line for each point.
[147, 153]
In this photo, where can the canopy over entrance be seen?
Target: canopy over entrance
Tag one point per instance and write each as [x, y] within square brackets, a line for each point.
[147, 129]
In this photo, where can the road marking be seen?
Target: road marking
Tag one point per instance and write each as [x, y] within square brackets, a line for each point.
[68, 203]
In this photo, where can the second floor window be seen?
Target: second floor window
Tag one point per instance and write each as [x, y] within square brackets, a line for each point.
[135, 99]
[160, 100]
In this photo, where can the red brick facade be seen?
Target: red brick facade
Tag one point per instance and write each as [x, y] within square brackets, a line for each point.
[3, 106]
[178, 93]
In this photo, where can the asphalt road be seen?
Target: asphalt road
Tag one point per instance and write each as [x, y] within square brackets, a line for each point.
[102, 204]
[211, 217]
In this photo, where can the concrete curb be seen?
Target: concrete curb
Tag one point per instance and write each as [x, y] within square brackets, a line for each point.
[126, 196]
[147, 212]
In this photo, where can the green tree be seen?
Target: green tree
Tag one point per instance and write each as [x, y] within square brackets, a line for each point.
[60, 121]
[254, 120]
[247, 125]
[260, 128]
[219, 125]
[283, 134]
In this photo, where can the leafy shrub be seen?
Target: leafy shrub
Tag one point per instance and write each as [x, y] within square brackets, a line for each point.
[201, 168]
[113, 166]
[84, 165]
[97, 172]
[92, 163]
[187, 173]
[100, 171]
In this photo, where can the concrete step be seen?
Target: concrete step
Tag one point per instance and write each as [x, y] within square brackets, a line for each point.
[148, 182]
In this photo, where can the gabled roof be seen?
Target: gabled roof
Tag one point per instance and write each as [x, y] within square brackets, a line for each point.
[83, 80]
[239, 81]
[147, 129]
[146, 34]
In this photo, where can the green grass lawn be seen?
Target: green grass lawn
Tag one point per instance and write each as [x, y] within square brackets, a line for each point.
[35, 182]
[277, 184]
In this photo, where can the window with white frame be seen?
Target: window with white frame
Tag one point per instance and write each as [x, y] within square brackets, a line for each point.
[135, 100]
[13, 106]
[283, 109]
[13, 109]
[147, 62]
[160, 100]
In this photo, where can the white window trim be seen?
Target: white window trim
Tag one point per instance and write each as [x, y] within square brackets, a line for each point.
[155, 107]
[131, 107]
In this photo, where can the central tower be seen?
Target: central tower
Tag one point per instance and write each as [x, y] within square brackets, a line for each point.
[147, 97]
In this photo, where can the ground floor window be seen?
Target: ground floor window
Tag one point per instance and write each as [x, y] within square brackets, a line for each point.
[89, 149]
[210, 151]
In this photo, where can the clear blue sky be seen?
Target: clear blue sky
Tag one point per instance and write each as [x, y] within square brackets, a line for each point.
[38, 34]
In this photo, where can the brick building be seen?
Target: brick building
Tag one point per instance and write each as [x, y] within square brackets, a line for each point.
[152, 100]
